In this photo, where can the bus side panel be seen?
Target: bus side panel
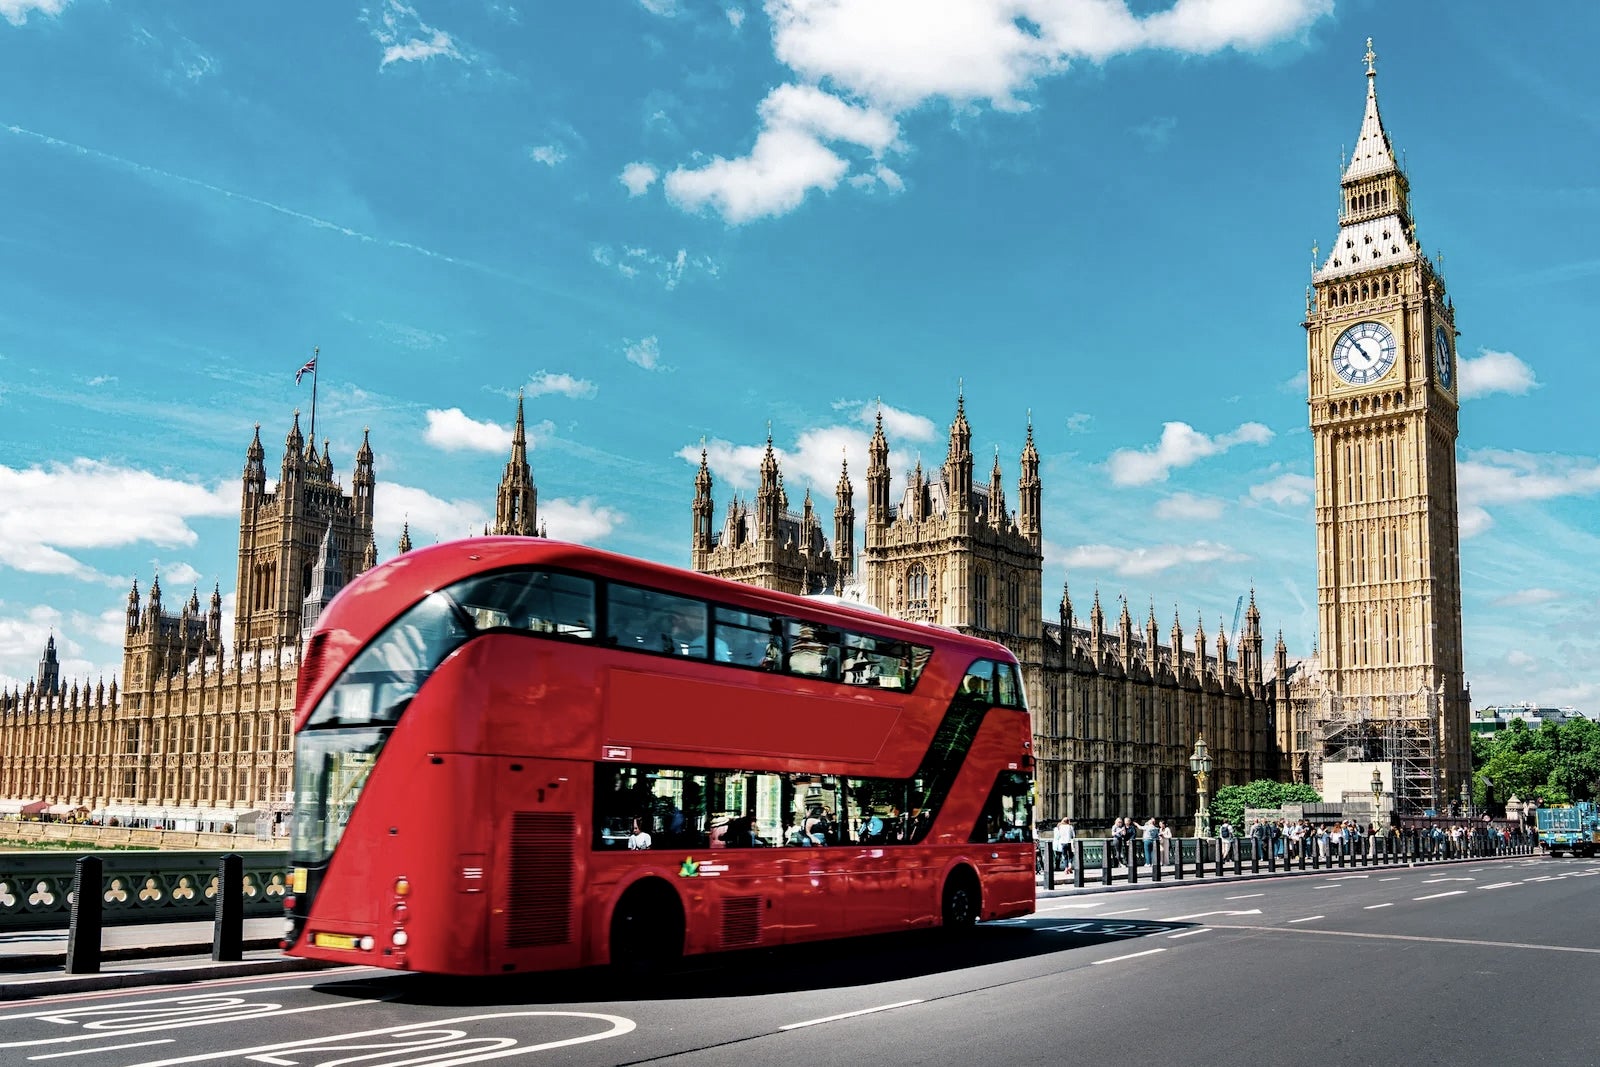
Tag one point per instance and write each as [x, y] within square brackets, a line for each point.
[540, 866]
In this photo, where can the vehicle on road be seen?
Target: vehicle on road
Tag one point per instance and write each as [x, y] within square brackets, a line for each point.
[514, 754]
[1571, 828]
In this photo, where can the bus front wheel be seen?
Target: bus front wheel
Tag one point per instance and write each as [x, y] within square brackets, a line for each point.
[647, 927]
[961, 900]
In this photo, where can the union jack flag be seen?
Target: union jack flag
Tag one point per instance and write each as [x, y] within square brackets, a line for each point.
[309, 368]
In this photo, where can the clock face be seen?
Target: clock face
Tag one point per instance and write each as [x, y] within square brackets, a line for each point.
[1441, 355]
[1364, 353]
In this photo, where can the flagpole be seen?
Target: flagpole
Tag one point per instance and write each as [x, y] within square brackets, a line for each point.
[315, 351]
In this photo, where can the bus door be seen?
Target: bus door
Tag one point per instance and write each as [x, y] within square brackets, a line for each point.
[541, 863]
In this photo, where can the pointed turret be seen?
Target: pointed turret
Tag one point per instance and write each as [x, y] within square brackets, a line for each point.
[844, 524]
[768, 505]
[1150, 633]
[1029, 492]
[214, 615]
[369, 558]
[255, 470]
[516, 509]
[958, 459]
[133, 607]
[877, 478]
[293, 445]
[1066, 609]
[700, 544]
[404, 545]
[49, 669]
[327, 578]
[1175, 639]
[362, 484]
[997, 496]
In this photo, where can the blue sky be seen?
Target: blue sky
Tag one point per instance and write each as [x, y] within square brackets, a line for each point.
[669, 220]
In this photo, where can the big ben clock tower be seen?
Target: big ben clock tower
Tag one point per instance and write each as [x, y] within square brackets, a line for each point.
[1381, 361]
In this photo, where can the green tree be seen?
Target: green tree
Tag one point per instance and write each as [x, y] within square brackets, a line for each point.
[1231, 800]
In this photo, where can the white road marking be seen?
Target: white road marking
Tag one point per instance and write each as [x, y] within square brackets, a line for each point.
[1084, 904]
[850, 1014]
[1245, 896]
[230, 1010]
[1347, 877]
[1203, 914]
[1189, 933]
[1129, 956]
[1372, 907]
[1432, 881]
[1436, 896]
[103, 1048]
[1124, 911]
[1499, 885]
[1308, 918]
[1393, 878]
[416, 1036]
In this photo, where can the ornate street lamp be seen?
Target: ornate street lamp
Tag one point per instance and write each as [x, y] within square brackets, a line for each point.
[1377, 797]
[1466, 801]
[1200, 764]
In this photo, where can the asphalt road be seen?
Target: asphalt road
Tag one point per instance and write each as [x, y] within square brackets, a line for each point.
[1479, 963]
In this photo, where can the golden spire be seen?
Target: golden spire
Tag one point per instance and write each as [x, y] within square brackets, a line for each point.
[1371, 57]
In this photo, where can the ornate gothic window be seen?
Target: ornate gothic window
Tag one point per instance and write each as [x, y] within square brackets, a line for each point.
[917, 590]
[980, 599]
[1013, 594]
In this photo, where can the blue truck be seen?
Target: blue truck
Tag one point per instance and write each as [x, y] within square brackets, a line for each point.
[1573, 828]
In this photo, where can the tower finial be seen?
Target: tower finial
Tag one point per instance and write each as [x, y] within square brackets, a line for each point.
[1371, 57]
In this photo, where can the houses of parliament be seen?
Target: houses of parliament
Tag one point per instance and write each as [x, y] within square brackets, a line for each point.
[1117, 704]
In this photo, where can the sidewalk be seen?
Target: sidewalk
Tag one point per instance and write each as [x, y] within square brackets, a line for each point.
[33, 963]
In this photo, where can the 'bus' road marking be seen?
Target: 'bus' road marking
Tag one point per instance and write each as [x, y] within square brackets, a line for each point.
[1308, 918]
[1189, 933]
[415, 1037]
[229, 1010]
[1436, 896]
[103, 1048]
[1372, 907]
[1124, 911]
[851, 1014]
[1499, 885]
[1129, 956]
[1245, 896]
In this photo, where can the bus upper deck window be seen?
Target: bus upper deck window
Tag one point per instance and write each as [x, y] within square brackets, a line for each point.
[648, 621]
[1008, 691]
[749, 639]
[813, 650]
[978, 685]
[558, 605]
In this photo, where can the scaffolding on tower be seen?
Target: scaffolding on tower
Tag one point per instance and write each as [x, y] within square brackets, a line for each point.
[1396, 729]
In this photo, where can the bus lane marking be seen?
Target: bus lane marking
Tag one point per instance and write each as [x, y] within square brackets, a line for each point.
[1129, 956]
[849, 1014]
[1436, 896]
[443, 1041]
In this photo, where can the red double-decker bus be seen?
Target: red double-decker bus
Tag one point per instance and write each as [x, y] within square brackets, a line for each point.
[514, 754]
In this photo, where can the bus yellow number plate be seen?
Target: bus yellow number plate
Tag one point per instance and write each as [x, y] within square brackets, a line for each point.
[334, 941]
[297, 880]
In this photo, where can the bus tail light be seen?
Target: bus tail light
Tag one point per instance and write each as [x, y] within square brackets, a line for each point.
[402, 914]
[402, 887]
[288, 903]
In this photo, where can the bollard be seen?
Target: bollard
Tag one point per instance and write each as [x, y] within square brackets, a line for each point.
[1155, 870]
[1219, 857]
[83, 928]
[1105, 860]
[1135, 854]
[1077, 863]
[1255, 855]
[1342, 848]
[227, 932]
[1177, 858]
[1272, 857]
[1303, 850]
[1238, 859]
[1047, 854]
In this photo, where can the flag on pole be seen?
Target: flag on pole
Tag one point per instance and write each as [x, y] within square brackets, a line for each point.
[309, 368]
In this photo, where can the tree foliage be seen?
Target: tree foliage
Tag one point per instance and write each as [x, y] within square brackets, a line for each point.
[1552, 764]
[1231, 800]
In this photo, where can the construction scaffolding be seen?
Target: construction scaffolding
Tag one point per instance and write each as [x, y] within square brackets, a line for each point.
[1396, 730]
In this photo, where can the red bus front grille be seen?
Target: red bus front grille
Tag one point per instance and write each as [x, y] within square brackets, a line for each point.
[539, 898]
[741, 921]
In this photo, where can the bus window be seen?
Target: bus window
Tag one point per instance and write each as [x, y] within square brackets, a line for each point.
[1008, 815]
[381, 681]
[748, 639]
[978, 686]
[813, 650]
[1010, 693]
[875, 661]
[560, 605]
[649, 621]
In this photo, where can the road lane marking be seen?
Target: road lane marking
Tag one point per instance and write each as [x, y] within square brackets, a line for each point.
[1308, 918]
[1189, 933]
[1084, 904]
[1203, 914]
[1245, 896]
[1124, 911]
[103, 1048]
[1129, 956]
[1371, 907]
[850, 1014]
[1392, 878]
[1426, 940]
[1436, 896]
[1432, 881]
[1499, 885]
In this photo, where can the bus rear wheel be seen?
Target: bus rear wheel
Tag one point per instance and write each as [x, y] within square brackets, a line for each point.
[647, 928]
[961, 900]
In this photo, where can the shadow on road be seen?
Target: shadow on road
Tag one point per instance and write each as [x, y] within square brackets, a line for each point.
[760, 972]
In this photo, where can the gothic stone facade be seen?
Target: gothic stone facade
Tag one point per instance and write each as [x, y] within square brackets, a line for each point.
[1115, 715]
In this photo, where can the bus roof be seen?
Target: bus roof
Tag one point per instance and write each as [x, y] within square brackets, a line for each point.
[378, 596]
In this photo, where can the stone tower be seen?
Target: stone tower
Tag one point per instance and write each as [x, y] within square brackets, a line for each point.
[281, 531]
[516, 505]
[49, 669]
[1381, 361]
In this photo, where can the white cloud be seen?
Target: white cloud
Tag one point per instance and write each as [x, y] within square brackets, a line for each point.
[1518, 658]
[548, 154]
[1186, 507]
[1495, 372]
[632, 261]
[898, 425]
[429, 516]
[665, 8]
[407, 39]
[178, 574]
[16, 11]
[1494, 476]
[1181, 445]
[453, 431]
[51, 511]
[644, 353]
[735, 16]
[1524, 597]
[1472, 520]
[1286, 490]
[578, 520]
[1142, 562]
[102, 379]
[1078, 422]
[638, 177]
[790, 156]
[563, 384]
